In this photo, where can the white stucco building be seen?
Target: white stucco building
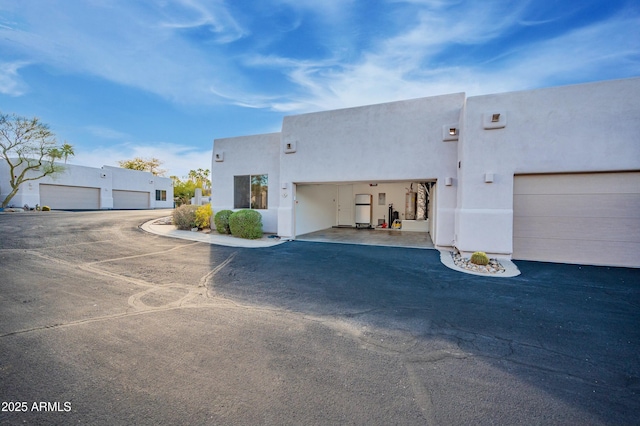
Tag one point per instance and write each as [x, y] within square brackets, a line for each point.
[550, 174]
[90, 188]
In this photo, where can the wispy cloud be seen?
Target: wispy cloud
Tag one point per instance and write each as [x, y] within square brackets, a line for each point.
[210, 17]
[107, 133]
[147, 46]
[579, 54]
[200, 52]
[177, 159]
[398, 65]
[331, 11]
[10, 81]
[223, 67]
[405, 66]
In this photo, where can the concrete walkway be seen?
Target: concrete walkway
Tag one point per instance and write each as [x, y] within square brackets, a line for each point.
[154, 227]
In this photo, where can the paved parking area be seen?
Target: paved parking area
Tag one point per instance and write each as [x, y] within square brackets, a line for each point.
[134, 328]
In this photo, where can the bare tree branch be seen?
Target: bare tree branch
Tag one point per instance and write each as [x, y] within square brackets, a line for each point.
[29, 148]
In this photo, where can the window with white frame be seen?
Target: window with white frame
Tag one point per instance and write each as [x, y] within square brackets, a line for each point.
[250, 192]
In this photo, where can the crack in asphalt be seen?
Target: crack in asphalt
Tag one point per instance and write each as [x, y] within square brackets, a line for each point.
[136, 301]
[472, 337]
[203, 295]
[202, 290]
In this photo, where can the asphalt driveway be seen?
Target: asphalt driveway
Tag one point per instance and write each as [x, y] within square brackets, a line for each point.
[129, 327]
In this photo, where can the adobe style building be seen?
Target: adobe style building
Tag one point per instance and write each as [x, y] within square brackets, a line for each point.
[90, 188]
[549, 175]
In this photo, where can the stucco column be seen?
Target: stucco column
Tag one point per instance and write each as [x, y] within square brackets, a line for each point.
[106, 198]
[286, 210]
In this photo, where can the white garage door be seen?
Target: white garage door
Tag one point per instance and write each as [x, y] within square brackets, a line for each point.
[69, 197]
[578, 218]
[130, 200]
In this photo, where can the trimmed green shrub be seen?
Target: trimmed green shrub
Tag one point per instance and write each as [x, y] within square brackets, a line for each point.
[246, 224]
[203, 216]
[184, 217]
[479, 258]
[221, 220]
[46, 208]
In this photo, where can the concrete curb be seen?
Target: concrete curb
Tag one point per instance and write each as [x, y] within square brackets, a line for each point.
[221, 240]
[8, 210]
[511, 270]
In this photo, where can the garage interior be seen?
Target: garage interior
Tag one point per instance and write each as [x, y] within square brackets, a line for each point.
[332, 212]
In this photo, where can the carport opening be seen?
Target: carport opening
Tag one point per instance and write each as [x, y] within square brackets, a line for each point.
[365, 212]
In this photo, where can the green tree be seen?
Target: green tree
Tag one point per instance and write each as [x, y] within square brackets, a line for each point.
[54, 154]
[66, 150]
[30, 150]
[183, 191]
[200, 178]
[146, 165]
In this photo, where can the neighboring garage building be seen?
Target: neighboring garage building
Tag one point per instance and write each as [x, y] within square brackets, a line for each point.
[66, 196]
[89, 188]
[549, 175]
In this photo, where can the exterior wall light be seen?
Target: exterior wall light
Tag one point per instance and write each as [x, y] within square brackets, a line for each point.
[219, 156]
[450, 132]
[494, 120]
[290, 147]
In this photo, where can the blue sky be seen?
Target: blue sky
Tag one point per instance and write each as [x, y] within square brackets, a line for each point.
[121, 78]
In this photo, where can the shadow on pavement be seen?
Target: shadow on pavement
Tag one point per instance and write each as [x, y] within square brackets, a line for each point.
[571, 331]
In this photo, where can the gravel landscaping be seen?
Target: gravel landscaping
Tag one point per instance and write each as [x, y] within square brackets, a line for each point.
[494, 267]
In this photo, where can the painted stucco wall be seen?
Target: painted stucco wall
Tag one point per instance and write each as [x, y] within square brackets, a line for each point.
[134, 180]
[246, 155]
[315, 207]
[106, 179]
[397, 141]
[583, 128]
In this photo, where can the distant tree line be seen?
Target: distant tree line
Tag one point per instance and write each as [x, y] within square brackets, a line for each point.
[145, 165]
[183, 189]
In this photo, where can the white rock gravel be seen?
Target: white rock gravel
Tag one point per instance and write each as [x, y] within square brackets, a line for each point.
[494, 267]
